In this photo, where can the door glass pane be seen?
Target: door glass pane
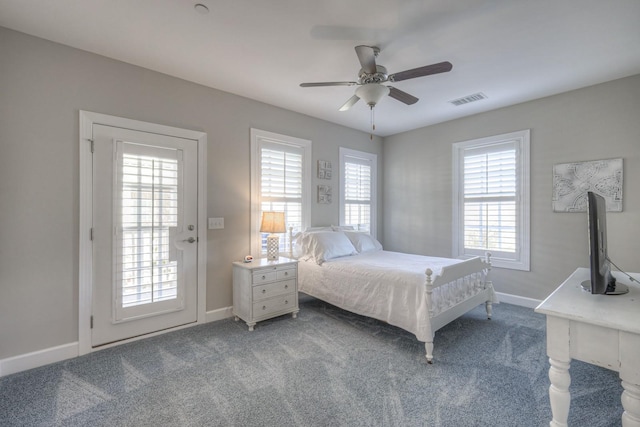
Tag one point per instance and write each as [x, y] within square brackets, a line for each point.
[149, 208]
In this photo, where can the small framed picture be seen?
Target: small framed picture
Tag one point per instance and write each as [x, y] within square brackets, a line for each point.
[324, 194]
[324, 169]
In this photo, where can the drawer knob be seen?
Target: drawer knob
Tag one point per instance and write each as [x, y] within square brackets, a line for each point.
[264, 307]
[264, 291]
[286, 286]
[286, 273]
[264, 277]
[286, 301]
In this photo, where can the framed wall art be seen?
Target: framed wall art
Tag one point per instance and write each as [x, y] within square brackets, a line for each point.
[571, 181]
[324, 194]
[324, 169]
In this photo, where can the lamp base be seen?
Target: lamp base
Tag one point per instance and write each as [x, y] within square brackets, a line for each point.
[273, 247]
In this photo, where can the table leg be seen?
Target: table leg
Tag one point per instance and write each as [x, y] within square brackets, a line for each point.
[559, 395]
[631, 404]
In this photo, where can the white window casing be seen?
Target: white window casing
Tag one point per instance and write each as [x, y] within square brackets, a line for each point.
[491, 199]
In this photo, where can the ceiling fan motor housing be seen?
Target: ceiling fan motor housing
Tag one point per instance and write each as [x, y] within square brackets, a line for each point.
[378, 77]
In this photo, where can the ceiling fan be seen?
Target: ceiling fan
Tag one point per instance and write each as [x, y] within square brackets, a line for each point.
[372, 77]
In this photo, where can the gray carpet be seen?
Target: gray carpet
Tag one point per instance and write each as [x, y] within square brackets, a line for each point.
[326, 368]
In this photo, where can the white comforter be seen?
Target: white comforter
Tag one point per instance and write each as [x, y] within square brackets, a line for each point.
[388, 286]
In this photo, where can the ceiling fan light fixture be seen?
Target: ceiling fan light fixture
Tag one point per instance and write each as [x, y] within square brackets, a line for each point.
[372, 93]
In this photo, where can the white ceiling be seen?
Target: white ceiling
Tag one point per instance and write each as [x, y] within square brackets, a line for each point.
[511, 50]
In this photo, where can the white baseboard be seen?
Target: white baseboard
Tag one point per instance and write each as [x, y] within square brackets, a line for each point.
[219, 314]
[23, 362]
[518, 300]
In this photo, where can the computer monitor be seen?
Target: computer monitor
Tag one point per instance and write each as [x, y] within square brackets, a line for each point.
[602, 281]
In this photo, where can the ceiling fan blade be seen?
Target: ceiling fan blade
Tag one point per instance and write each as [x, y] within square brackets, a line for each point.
[349, 103]
[402, 96]
[367, 58]
[328, 84]
[440, 67]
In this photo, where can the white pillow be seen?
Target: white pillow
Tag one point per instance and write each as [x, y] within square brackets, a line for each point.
[326, 245]
[313, 229]
[363, 242]
[342, 227]
[301, 241]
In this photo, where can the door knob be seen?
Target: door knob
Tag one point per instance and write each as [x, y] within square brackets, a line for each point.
[190, 240]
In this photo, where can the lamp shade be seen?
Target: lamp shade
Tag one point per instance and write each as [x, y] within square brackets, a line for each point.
[273, 222]
[371, 93]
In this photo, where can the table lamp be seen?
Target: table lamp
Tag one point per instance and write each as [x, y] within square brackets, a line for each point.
[273, 222]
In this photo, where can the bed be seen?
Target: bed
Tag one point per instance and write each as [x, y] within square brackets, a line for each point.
[419, 294]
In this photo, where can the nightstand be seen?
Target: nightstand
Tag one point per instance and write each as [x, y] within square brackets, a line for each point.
[264, 289]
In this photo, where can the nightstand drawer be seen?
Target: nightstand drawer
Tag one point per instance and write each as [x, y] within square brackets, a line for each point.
[286, 274]
[264, 277]
[269, 306]
[272, 289]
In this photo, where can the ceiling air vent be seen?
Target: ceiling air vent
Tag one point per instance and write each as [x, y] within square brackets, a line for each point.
[469, 98]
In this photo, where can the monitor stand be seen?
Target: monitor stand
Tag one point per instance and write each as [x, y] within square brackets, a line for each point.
[616, 288]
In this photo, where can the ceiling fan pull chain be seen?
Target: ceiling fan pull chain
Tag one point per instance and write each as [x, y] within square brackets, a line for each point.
[373, 124]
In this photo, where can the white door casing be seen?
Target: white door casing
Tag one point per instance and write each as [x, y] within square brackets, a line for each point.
[179, 296]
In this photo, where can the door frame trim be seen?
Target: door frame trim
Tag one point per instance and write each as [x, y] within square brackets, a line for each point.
[85, 252]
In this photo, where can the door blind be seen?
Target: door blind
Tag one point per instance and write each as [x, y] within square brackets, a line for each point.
[149, 208]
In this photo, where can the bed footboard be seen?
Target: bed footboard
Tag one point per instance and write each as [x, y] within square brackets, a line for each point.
[475, 273]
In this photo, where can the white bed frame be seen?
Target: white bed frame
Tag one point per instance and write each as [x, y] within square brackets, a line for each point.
[474, 269]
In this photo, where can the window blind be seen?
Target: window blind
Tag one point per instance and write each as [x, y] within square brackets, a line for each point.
[357, 194]
[281, 186]
[490, 198]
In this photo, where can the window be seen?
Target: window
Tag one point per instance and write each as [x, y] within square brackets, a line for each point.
[149, 209]
[280, 181]
[491, 199]
[358, 189]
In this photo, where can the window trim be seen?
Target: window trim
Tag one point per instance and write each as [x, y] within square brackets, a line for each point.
[522, 142]
[344, 153]
[257, 137]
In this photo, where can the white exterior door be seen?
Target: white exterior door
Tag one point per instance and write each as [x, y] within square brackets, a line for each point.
[145, 230]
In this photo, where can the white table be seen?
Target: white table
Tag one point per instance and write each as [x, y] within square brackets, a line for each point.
[602, 330]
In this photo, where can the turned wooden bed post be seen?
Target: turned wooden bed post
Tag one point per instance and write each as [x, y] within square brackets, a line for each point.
[428, 346]
[488, 303]
[291, 242]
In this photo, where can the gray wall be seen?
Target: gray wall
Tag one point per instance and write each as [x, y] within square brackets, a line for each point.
[42, 87]
[598, 122]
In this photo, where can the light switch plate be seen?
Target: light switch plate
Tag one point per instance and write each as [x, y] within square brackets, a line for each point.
[216, 223]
